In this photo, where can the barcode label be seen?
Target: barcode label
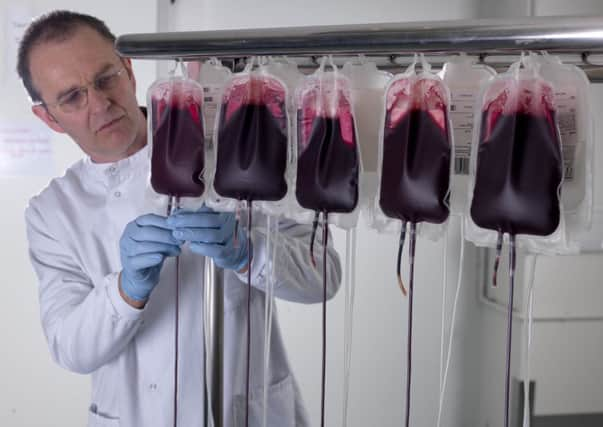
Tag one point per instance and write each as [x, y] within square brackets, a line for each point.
[567, 104]
[569, 154]
[461, 116]
[211, 99]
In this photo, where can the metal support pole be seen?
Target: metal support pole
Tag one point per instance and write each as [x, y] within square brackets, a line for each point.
[214, 352]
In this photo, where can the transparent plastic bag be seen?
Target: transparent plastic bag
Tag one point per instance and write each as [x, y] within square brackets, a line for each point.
[575, 121]
[251, 140]
[464, 78]
[517, 164]
[416, 154]
[368, 92]
[286, 70]
[176, 137]
[328, 160]
[212, 76]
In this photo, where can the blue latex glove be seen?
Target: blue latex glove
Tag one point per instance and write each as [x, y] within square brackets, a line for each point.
[144, 245]
[211, 234]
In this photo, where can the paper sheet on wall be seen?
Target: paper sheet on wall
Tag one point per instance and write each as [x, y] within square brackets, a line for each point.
[25, 149]
[16, 19]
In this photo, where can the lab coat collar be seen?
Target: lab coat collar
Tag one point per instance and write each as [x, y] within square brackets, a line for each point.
[120, 170]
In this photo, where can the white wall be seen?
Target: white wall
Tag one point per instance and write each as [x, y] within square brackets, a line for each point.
[34, 391]
[502, 9]
[573, 8]
[229, 14]
[522, 8]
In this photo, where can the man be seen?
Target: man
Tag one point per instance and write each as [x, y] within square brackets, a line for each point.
[106, 266]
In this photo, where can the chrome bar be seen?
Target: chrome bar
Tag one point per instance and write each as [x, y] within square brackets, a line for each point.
[218, 347]
[213, 305]
[555, 34]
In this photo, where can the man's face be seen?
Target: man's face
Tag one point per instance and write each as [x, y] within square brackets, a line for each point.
[110, 127]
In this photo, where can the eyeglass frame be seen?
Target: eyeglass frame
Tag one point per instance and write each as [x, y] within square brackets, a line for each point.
[83, 89]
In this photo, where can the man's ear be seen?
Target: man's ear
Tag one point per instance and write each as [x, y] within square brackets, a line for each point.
[46, 117]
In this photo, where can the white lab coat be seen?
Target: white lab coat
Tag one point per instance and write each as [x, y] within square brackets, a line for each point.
[74, 227]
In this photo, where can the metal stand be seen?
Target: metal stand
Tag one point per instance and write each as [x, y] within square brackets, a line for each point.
[388, 44]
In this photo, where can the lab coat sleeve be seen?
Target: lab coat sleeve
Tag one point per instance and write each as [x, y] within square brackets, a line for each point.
[295, 278]
[86, 324]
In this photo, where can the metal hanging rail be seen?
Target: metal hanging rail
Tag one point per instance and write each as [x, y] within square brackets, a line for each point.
[582, 35]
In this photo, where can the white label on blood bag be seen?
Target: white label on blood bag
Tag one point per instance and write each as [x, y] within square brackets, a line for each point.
[567, 104]
[461, 116]
[211, 99]
[25, 150]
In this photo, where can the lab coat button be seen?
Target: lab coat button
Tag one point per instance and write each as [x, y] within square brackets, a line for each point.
[117, 194]
[152, 387]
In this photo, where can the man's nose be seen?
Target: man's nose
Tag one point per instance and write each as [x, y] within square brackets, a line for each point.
[97, 100]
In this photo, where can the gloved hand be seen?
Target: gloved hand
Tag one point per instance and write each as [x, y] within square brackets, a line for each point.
[211, 234]
[144, 245]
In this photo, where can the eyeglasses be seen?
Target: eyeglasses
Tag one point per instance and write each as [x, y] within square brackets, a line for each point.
[77, 98]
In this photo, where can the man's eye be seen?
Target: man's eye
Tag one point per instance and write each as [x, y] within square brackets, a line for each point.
[106, 82]
[72, 98]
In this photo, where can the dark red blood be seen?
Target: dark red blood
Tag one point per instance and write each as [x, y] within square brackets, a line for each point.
[415, 175]
[177, 159]
[252, 153]
[328, 166]
[519, 171]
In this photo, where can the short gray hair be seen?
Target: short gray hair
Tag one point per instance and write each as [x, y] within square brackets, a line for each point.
[58, 26]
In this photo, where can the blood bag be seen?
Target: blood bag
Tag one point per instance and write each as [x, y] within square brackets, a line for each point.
[328, 160]
[327, 156]
[573, 105]
[252, 138]
[175, 108]
[415, 154]
[517, 164]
